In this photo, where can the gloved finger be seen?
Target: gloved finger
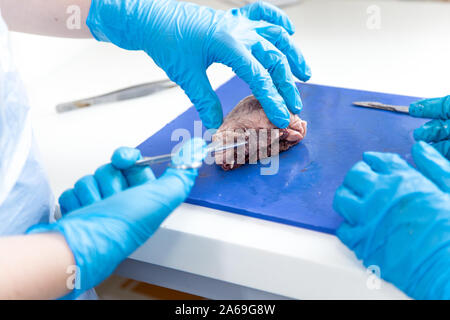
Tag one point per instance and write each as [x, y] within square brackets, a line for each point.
[167, 192]
[348, 205]
[124, 159]
[175, 184]
[87, 190]
[276, 63]
[191, 154]
[245, 65]
[361, 179]
[281, 39]
[198, 88]
[443, 147]
[434, 108]
[110, 180]
[346, 233]
[138, 175]
[384, 162]
[68, 201]
[267, 12]
[433, 131]
[432, 165]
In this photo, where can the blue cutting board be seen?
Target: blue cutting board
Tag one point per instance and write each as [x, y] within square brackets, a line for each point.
[301, 193]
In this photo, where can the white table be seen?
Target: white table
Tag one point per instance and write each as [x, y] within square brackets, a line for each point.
[213, 253]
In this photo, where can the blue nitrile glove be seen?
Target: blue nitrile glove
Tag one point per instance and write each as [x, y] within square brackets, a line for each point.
[436, 131]
[398, 218]
[107, 216]
[184, 39]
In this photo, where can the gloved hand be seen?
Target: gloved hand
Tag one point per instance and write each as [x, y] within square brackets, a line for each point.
[107, 216]
[184, 39]
[435, 131]
[398, 218]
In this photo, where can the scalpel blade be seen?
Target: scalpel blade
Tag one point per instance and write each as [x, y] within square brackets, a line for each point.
[382, 106]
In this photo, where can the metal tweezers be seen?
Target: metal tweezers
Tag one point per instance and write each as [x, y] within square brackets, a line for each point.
[212, 147]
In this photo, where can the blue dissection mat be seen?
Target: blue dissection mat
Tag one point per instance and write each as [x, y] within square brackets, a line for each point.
[301, 193]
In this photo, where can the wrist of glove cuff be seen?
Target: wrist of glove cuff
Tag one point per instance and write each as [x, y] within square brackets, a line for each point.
[115, 21]
[101, 235]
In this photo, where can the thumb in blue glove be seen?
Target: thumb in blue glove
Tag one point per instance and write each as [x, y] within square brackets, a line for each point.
[398, 218]
[109, 215]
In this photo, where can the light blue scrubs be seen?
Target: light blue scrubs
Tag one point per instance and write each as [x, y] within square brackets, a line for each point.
[25, 194]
